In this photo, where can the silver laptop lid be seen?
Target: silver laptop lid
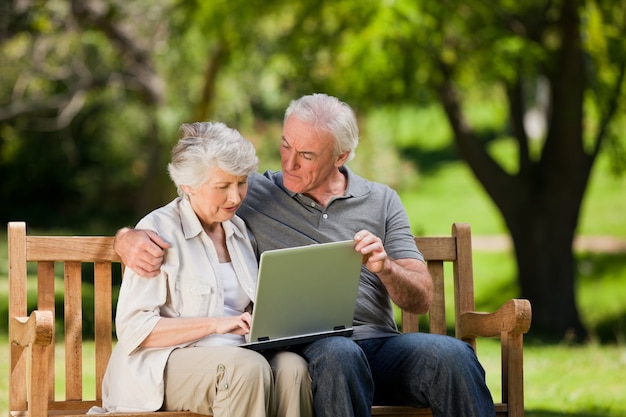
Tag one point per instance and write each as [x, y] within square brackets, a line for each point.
[306, 290]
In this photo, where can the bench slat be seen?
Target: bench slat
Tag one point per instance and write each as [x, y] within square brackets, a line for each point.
[396, 411]
[442, 248]
[17, 308]
[437, 313]
[45, 301]
[71, 248]
[73, 331]
[103, 314]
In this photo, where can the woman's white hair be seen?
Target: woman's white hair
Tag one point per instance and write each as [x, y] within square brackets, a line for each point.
[205, 145]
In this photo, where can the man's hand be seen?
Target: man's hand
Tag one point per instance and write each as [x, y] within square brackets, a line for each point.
[371, 246]
[407, 281]
[141, 250]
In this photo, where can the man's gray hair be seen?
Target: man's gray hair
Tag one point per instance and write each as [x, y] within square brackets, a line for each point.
[205, 145]
[328, 114]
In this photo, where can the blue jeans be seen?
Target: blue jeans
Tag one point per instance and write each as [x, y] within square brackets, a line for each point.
[417, 369]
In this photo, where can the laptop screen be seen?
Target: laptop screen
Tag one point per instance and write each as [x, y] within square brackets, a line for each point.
[306, 290]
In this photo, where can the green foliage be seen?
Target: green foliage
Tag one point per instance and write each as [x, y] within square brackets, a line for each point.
[67, 154]
[92, 101]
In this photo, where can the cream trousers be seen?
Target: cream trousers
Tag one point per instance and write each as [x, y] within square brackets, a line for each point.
[237, 382]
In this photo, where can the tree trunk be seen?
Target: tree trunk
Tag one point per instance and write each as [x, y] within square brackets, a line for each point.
[541, 202]
[543, 230]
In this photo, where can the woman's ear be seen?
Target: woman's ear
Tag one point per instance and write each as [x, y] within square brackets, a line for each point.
[187, 189]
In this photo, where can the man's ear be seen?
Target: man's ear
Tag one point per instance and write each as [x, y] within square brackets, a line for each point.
[342, 158]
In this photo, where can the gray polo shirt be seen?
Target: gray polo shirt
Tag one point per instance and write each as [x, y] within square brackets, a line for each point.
[279, 218]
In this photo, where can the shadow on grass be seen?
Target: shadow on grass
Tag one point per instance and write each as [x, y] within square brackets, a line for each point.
[601, 270]
[430, 160]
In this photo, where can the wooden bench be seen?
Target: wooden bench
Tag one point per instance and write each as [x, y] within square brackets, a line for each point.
[34, 365]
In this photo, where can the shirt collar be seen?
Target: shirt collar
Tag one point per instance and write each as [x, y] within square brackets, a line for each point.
[357, 186]
[192, 227]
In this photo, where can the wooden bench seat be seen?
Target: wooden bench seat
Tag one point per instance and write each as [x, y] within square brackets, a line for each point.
[91, 260]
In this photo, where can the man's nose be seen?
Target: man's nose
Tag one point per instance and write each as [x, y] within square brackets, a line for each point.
[291, 161]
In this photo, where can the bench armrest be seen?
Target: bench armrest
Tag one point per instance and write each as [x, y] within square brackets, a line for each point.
[513, 317]
[35, 333]
[37, 329]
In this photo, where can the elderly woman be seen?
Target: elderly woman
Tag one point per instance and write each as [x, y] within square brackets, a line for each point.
[178, 333]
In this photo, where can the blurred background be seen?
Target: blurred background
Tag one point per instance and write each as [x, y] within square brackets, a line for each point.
[508, 115]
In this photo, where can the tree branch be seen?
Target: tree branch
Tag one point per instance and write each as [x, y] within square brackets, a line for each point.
[138, 58]
[491, 175]
[66, 105]
[613, 105]
[517, 110]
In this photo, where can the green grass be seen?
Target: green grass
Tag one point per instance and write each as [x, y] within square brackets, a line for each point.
[453, 194]
[565, 381]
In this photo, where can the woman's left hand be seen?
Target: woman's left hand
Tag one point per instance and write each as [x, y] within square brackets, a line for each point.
[239, 325]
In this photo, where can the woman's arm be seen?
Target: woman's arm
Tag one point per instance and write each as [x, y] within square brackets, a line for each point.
[171, 331]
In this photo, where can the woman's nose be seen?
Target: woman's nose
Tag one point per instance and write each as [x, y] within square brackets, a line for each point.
[234, 195]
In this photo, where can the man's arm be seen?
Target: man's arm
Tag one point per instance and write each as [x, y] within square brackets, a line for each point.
[140, 250]
[408, 281]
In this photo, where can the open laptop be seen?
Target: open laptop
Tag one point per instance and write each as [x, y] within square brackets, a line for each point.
[304, 293]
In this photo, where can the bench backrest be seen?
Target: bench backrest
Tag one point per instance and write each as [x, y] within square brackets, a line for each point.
[456, 250]
[74, 252]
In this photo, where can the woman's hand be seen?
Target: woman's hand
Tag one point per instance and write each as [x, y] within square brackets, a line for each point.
[239, 325]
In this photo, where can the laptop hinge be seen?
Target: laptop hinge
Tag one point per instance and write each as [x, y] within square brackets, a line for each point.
[263, 339]
[339, 328]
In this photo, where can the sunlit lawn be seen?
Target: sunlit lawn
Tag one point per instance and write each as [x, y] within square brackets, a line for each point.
[587, 380]
[573, 381]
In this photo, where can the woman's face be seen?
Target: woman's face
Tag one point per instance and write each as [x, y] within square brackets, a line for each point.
[219, 197]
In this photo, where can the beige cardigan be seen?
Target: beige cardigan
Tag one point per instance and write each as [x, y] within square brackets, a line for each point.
[186, 287]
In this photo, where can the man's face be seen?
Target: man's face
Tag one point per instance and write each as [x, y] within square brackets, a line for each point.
[307, 157]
